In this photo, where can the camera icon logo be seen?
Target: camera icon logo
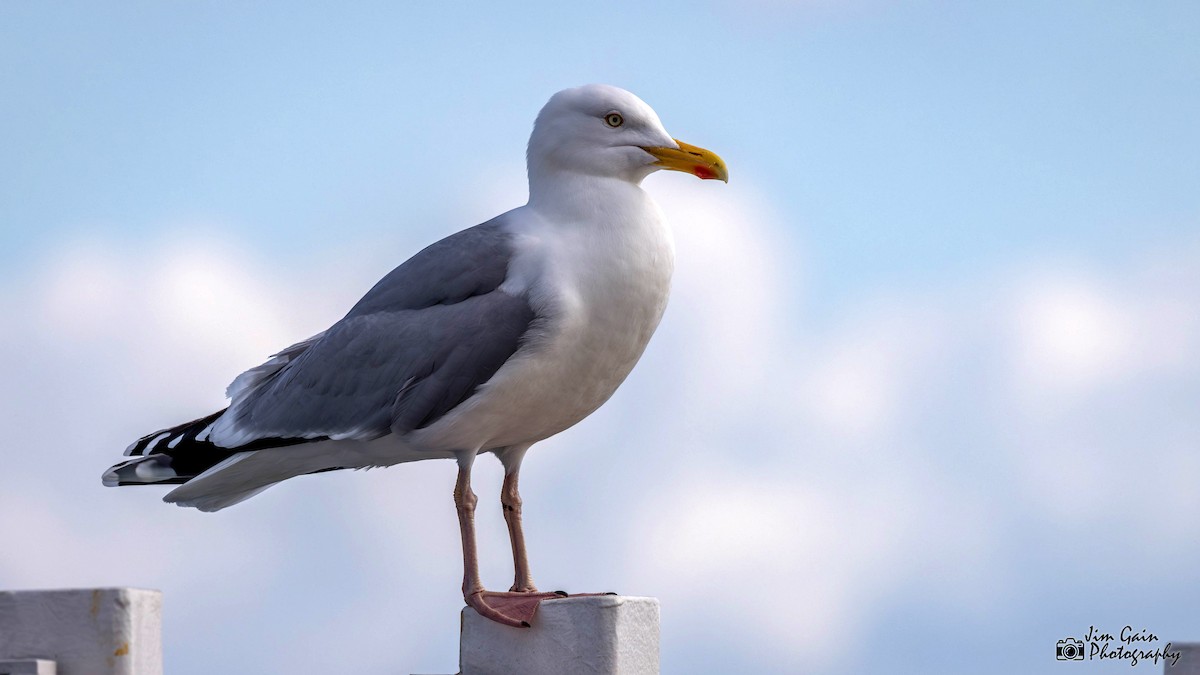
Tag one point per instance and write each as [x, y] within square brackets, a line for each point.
[1069, 649]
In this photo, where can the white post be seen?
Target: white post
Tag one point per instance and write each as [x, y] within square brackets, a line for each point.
[100, 631]
[592, 635]
[28, 667]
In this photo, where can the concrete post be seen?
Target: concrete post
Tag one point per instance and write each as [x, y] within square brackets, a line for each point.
[589, 635]
[101, 631]
[28, 667]
[1189, 659]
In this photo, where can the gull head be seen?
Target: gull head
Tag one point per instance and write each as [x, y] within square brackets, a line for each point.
[605, 131]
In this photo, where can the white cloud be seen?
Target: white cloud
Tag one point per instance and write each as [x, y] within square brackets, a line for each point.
[1072, 333]
[734, 295]
[774, 558]
[1078, 330]
[107, 345]
[800, 479]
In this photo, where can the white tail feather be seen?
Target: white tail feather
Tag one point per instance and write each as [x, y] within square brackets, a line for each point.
[247, 473]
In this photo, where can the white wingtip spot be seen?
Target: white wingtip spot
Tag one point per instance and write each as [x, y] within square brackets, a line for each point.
[153, 471]
[155, 441]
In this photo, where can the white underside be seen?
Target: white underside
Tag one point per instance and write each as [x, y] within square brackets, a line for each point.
[247, 473]
[599, 283]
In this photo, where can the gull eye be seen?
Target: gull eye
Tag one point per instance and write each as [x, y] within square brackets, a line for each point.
[614, 120]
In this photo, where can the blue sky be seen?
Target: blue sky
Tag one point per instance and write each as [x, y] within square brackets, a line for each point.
[933, 352]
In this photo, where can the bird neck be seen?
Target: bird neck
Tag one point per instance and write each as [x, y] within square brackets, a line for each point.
[568, 196]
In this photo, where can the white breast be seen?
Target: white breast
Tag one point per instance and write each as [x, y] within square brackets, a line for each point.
[601, 286]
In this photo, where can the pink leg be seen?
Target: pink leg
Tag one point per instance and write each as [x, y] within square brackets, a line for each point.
[510, 501]
[511, 609]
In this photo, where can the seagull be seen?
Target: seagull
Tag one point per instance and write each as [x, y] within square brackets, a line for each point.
[488, 341]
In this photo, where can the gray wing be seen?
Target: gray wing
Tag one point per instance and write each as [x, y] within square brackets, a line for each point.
[417, 345]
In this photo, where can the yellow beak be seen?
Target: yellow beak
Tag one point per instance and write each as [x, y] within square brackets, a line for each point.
[699, 162]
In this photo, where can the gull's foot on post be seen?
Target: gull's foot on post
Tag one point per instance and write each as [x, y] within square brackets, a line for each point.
[514, 609]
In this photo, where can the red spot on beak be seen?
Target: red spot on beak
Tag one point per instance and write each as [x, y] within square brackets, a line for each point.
[703, 172]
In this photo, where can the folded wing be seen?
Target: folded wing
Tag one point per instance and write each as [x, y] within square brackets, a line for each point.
[417, 345]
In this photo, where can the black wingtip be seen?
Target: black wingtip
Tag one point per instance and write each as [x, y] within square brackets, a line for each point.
[162, 439]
